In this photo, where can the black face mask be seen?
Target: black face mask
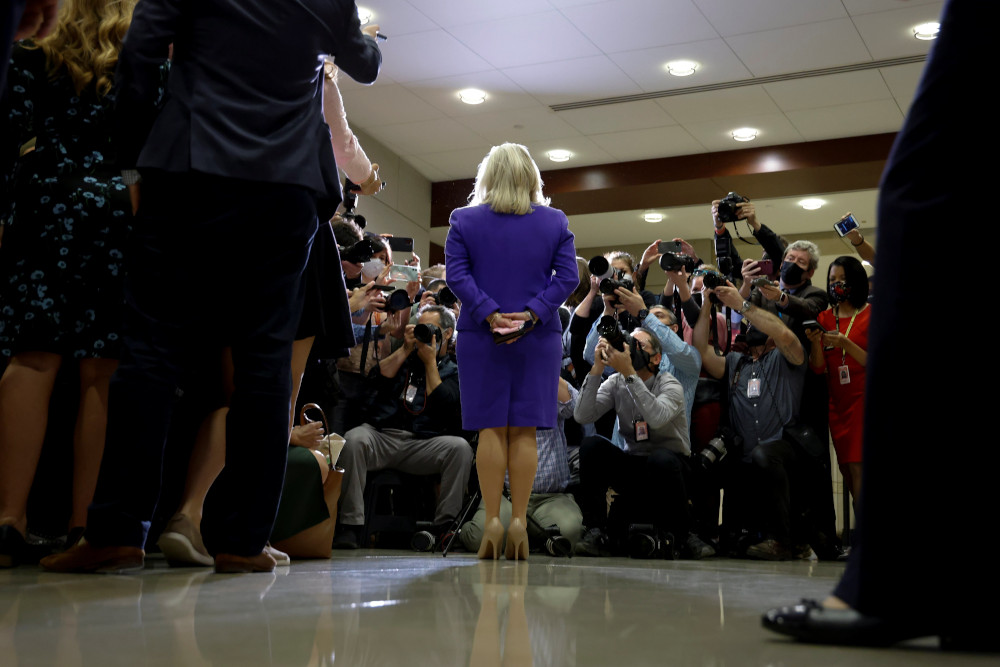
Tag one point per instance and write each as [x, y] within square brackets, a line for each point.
[697, 296]
[640, 358]
[791, 274]
[755, 337]
[839, 291]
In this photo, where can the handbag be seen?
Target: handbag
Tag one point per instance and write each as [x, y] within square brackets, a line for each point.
[316, 541]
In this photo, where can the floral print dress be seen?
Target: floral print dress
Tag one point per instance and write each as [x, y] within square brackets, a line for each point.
[66, 214]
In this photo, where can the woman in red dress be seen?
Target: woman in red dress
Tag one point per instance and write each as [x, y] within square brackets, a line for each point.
[841, 353]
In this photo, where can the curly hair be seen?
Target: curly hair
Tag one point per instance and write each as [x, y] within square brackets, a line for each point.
[86, 41]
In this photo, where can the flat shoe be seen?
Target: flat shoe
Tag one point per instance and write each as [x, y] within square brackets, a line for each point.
[233, 564]
[809, 622]
[86, 558]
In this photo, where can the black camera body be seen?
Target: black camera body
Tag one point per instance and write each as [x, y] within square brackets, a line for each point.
[675, 261]
[445, 297]
[360, 252]
[608, 329]
[645, 541]
[617, 279]
[398, 300]
[425, 333]
[729, 207]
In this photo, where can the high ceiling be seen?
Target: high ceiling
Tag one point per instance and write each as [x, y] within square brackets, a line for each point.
[796, 70]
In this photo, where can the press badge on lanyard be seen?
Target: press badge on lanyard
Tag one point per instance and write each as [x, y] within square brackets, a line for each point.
[753, 388]
[641, 429]
[410, 393]
[845, 375]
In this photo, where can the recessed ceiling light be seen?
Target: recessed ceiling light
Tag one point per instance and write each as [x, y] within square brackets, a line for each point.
[926, 30]
[472, 96]
[559, 155]
[811, 204]
[652, 216]
[365, 15]
[681, 67]
[745, 134]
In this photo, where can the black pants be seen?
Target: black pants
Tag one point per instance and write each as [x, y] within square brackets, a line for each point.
[212, 262]
[759, 494]
[655, 484]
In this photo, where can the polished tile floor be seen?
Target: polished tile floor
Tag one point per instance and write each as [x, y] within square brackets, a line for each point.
[398, 608]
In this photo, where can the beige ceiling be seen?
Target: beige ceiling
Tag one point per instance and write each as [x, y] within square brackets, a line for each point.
[798, 70]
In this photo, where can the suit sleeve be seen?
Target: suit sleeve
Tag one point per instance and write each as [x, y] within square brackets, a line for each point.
[807, 307]
[460, 278]
[138, 77]
[357, 53]
[564, 281]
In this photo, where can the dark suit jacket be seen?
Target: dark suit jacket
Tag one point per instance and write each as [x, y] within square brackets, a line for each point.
[244, 96]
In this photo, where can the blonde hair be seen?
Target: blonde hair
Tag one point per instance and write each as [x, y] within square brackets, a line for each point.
[86, 41]
[508, 180]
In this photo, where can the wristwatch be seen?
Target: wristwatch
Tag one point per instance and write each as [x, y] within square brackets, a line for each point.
[642, 314]
[631, 379]
[745, 308]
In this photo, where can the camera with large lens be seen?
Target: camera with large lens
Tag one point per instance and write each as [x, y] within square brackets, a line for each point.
[675, 261]
[711, 279]
[426, 333]
[645, 541]
[729, 207]
[398, 300]
[608, 329]
[618, 279]
[360, 252]
[712, 453]
[445, 297]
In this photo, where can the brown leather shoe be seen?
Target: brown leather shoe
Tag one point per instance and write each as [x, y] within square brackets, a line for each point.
[84, 557]
[232, 564]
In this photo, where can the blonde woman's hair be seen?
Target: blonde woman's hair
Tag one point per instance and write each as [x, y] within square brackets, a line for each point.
[86, 41]
[509, 181]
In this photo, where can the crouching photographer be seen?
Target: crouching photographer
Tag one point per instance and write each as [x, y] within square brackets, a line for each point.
[650, 477]
[414, 427]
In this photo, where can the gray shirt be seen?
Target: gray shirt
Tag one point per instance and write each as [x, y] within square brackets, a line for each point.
[659, 401]
[762, 418]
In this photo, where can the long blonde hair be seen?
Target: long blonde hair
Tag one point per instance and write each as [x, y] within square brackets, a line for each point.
[86, 41]
[508, 180]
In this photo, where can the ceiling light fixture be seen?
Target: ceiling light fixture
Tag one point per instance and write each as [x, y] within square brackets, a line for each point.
[559, 155]
[365, 15]
[472, 96]
[681, 67]
[652, 216]
[745, 134]
[926, 31]
[811, 204]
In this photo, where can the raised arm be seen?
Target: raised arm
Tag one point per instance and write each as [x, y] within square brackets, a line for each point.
[786, 341]
[713, 363]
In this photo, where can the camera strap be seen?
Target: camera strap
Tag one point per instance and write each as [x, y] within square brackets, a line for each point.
[364, 343]
[713, 333]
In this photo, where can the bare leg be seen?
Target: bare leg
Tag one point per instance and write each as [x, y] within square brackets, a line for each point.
[300, 355]
[522, 462]
[88, 436]
[855, 483]
[25, 391]
[491, 464]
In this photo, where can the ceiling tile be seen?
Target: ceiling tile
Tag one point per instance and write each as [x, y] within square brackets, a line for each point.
[717, 63]
[858, 7]
[716, 135]
[456, 164]
[621, 25]
[618, 117]
[830, 90]
[735, 18]
[519, 125]
[427, 136]
[424, 54]
[585, 153]
[397, 17]
[729, 104]
[386, 105]
[502, 93]
[902, 81]
[573, 80]
[848, 120]
[650, 143]
[890, 34]
[449, 13]
[515, 40]
[800, 48]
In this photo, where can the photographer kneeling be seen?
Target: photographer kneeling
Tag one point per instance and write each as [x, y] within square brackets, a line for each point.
[416, 419]
[650, 475]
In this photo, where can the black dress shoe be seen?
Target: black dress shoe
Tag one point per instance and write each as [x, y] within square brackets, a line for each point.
[809, 622]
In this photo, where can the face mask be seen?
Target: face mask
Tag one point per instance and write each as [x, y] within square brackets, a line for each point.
[755, 337]
[640, 358]
[792, 274]
[371, 269]
[839, 291]
[698, 298]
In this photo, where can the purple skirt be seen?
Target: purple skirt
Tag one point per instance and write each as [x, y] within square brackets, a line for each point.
[509, 385]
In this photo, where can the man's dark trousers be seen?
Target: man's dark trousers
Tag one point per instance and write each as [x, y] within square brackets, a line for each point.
[213, 261]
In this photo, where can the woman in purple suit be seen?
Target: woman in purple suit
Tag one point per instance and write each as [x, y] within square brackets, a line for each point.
[511, 261]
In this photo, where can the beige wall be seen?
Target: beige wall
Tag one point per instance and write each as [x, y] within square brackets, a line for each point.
[403, 208]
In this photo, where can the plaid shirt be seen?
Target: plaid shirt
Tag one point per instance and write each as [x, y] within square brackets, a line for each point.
[553, 464]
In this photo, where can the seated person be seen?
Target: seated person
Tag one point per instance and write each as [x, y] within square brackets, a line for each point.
[416, 419]
[764, 392]
[548, 504]
[651, 472]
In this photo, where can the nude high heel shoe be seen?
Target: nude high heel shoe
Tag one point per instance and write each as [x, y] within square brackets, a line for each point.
[492, 539]
[517, 540]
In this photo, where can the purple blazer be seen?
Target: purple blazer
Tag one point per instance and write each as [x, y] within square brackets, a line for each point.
[507, 262]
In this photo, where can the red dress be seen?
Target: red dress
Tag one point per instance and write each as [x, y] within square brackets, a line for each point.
[847, 400]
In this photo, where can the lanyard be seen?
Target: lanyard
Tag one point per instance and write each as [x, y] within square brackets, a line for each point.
[836, 314]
